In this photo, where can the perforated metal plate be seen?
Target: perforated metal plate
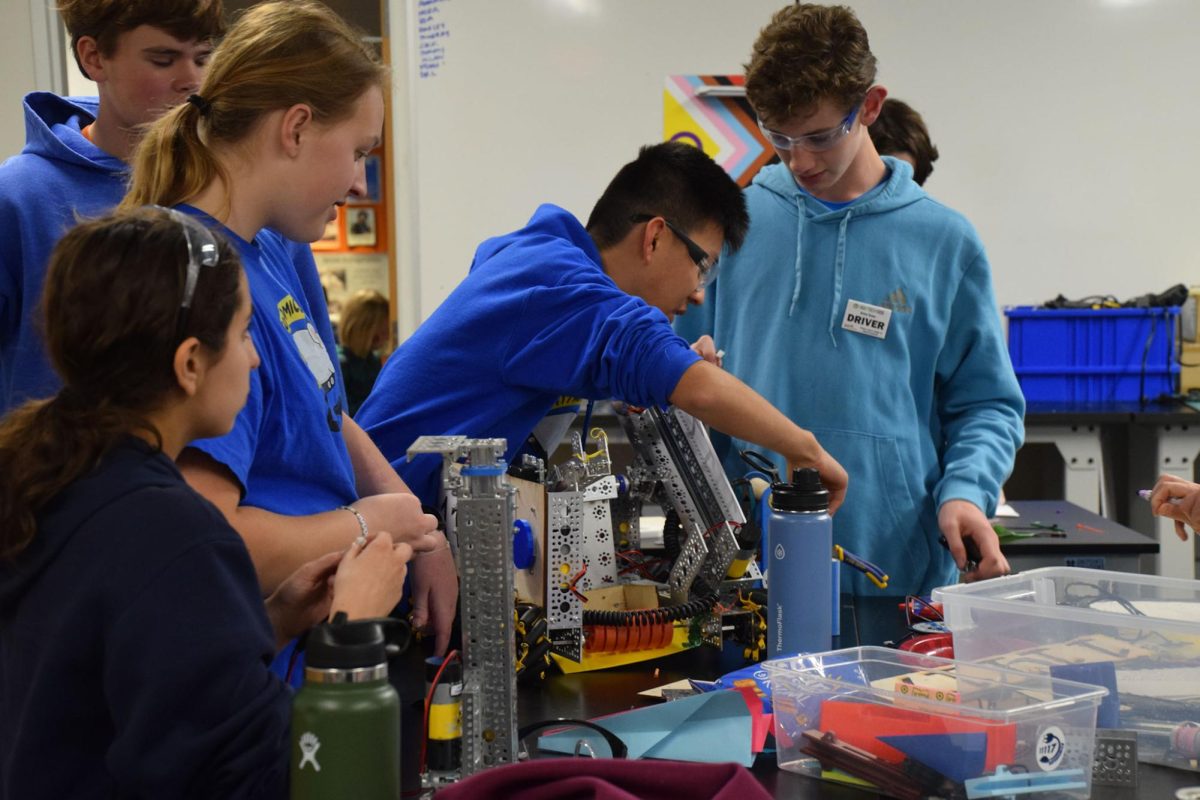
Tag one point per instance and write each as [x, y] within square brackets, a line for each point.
[489, 658]
[597, 538]
[564, 558]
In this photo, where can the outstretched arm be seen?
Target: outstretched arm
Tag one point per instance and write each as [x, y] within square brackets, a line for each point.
[722, 401]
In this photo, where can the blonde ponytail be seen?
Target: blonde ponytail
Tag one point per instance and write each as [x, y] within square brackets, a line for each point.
[172, 164]
[277, 55]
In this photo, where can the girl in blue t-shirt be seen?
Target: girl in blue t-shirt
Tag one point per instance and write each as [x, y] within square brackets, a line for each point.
[277, 138]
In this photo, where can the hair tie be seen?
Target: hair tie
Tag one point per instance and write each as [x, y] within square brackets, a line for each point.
[201, 104]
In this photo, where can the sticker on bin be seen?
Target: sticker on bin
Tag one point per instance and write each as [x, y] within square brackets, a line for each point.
[1051, 747]
[906, 686]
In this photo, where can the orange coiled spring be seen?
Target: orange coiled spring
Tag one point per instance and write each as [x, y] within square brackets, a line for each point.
[627, 638]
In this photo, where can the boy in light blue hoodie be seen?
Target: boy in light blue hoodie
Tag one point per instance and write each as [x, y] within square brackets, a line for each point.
[863, 309]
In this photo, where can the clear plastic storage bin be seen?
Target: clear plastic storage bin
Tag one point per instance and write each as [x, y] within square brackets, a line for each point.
[919, 726]
[1139, 634]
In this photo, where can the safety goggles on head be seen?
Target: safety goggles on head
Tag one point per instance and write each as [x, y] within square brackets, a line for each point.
[202, 251]
[813, 142]
[704, 262]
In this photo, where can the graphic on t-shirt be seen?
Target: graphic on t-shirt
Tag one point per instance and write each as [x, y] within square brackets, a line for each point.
[316, 357]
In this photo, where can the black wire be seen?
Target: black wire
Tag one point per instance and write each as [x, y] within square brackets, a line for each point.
[652, 616]
[1145, 359]
[1087, 601]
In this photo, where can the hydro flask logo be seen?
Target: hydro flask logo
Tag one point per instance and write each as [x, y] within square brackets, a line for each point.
[779, 551]
[309, 745]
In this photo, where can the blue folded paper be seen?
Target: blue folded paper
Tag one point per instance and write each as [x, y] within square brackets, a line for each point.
[707, 728]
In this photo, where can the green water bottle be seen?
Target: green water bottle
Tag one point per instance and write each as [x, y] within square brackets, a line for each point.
[346, 717]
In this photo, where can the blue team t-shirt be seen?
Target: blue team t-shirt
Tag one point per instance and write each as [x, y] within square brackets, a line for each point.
[286, 447]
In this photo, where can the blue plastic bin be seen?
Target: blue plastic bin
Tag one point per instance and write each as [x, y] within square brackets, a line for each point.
[1084, 355]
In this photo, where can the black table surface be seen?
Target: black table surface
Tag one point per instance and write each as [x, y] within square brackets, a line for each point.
[865, 621]
[1068, 413]
[1112, 537]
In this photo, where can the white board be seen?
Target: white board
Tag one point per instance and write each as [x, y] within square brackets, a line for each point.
[1066, 127]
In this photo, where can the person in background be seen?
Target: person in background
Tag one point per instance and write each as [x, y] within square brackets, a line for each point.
[558, 308]
[900, 132]
[134, 636]
[145, 56]
[864, 310]
[362, 333]
[270, 147]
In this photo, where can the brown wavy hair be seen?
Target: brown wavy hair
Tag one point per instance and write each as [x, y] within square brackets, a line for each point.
[275, 56]
[900, 129]
[807, 54]
[112, 317]
[106, 20]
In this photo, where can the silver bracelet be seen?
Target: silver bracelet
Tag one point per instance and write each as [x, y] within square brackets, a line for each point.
[362, 525]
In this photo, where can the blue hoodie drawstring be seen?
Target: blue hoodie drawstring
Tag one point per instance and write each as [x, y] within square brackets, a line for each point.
[839, 273]
[800, 222]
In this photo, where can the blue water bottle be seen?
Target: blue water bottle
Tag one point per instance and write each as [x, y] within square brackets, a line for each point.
[799, 578]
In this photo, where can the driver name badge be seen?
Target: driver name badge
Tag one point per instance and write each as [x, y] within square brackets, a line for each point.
[867, 319]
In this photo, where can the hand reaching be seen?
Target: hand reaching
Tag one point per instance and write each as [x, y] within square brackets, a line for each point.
[959, 520]
[1177, 499]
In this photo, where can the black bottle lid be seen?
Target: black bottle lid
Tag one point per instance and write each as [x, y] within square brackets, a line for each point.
[358, 644]
[804, 493]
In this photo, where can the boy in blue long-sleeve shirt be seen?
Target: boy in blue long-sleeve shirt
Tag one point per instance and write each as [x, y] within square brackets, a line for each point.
[863, 309]
[558, 308]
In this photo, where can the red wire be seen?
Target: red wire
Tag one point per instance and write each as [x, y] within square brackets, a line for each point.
[571, 583]
[452, 655]
[729, 522]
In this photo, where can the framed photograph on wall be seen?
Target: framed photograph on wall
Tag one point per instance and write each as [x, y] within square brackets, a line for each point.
[360, 227]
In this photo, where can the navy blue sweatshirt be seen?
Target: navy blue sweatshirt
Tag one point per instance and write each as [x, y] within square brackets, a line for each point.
[134, 648]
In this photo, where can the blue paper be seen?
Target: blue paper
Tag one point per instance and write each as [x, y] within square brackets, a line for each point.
[1097, 673]
[958, 756]
[708, 728]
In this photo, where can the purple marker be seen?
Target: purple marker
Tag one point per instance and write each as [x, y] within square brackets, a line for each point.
[1145, 495]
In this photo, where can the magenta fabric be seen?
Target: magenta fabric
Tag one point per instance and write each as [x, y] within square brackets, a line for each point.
[608, 779]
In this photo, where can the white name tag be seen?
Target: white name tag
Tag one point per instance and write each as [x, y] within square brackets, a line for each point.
[867, 319]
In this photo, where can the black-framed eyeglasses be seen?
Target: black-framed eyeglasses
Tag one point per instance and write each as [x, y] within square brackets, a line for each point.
[813, 142]
[202, 251]
[704, 262]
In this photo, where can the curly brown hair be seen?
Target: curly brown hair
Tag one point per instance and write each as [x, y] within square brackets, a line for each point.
[106, 20]
[900, 129]
[807, 54]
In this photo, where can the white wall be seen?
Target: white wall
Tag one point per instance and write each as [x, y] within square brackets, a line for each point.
[30, 58]
[1065, 127]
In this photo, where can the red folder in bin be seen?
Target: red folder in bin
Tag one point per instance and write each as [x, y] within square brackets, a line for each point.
[861, 725]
